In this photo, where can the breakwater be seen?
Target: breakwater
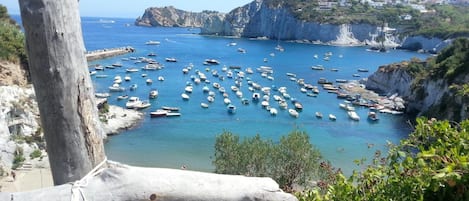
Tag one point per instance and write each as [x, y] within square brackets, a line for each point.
[105, 53]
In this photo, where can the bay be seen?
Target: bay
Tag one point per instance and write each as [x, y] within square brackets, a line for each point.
[189, 139]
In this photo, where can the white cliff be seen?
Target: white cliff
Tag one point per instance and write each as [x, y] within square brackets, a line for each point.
[20, 120]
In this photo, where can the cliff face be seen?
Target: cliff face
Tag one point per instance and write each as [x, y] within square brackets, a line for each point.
[427, 97]
[256, 19]
[172, 17]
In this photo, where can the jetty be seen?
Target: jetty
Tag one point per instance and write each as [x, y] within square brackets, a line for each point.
[105, 53]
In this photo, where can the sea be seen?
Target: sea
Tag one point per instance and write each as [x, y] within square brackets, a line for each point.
[188, 140]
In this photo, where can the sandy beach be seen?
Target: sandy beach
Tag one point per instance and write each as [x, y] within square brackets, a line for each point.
[27, 179]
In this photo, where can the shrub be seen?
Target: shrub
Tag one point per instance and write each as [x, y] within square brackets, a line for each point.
[291, 161]
[35, 154]
[18, 159]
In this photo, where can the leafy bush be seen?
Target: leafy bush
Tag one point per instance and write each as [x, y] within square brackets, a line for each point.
[35, 154]
[11, 39]
[291, 161]
[432, 164]
[18, 159]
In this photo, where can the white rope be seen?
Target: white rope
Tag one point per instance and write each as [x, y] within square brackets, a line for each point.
[77, 186]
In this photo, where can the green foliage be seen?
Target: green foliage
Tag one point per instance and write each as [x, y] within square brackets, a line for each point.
[18, 158]
[443, 21]
[452, 61]
[11, 39]
[291, 161]
[432, 164]
[35, 154]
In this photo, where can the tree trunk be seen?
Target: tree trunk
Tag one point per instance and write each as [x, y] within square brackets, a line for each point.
[122, 183]
[63, 87]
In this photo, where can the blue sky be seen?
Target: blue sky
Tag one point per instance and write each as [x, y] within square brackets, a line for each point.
[135, 8]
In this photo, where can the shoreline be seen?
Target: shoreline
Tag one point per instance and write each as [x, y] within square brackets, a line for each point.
[37, 174]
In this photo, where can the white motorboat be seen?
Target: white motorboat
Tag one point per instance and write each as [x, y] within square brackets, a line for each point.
[227, 101]
[204, 105]
[188, 89]
[142, 105]
[318, 115]
[210, 99]
[185, 96]
[153, 93]
[102, 95]
[116, 88]
[332, 117]
[293, 113]
[231, 109]
[273, 111]
[122, 97]
[132, 102]
[152, 42]
[160, 78]
[159, 113]
[133, 87]
[353, 115]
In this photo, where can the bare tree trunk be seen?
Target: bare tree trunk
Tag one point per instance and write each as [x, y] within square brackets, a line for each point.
[63, 87]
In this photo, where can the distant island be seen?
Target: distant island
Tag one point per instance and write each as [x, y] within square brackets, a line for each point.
[386, 24]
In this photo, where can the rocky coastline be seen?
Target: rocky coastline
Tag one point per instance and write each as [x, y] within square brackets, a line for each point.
[20, 126]
[258, 20]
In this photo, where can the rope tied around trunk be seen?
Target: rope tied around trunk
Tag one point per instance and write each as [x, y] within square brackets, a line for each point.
[77, 191]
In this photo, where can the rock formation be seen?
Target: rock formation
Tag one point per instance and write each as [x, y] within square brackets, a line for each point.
[172, 17]
[424, 97]
[257, 19]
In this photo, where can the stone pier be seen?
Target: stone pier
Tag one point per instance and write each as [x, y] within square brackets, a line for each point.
[105, 53]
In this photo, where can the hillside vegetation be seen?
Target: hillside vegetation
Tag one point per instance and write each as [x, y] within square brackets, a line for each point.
[443, 21]
[11, 39]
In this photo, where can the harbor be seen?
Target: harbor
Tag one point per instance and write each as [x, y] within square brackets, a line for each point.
[208, 74]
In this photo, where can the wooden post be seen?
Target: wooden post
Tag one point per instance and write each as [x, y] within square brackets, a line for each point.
[63, 87]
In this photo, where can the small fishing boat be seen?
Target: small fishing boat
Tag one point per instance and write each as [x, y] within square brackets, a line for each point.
[131, 70]
[318, 115]
[127, 78]
[152, 42]
[210, 99]
[133, 87]
[170, 59]
[142, 105]
[332, 117]
[353, 115]
[116, 88]
[149, 81]
[151, 54]
[362, 70]
[273, 111]
[185, 96]
[172, 109]
[231, 108]
[132, 102]
[173, 114]
[122, 97]
[102, 95]
[317, 67]
[158, 113]
[372, 116]
[153, 94]
[293, 113]
[160, 78]
[204, 105]
[245, 101]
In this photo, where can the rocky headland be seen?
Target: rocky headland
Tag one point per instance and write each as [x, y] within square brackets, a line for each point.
[171, 17]
[436, 87]
[259, 19]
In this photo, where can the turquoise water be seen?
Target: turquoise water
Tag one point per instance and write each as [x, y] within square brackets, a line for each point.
[189, 139]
